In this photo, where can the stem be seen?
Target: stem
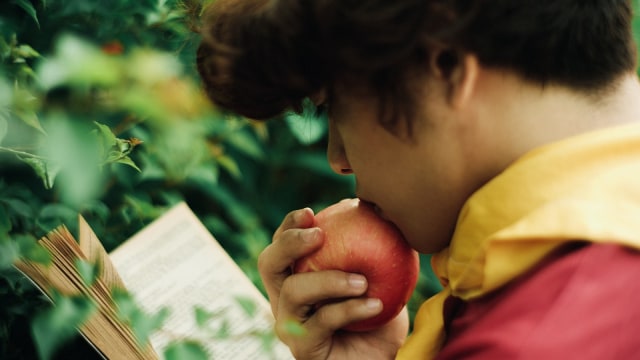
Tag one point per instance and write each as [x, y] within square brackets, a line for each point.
[21, 153]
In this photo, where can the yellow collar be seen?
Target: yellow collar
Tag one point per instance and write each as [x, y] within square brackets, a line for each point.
[583, 188]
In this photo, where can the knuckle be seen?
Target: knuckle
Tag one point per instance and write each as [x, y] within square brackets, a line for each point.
[298, 352]
[281, 332]
[296, 294]
[288, 290]
[334, 316]
[339, 314]
[262, 262]
[292, 241]
[289, 219]
[299, 235]
[324, 315]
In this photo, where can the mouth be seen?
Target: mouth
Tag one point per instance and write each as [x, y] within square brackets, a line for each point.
[380, 213]
[375, 208]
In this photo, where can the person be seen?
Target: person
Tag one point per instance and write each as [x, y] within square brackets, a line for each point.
[500, 136]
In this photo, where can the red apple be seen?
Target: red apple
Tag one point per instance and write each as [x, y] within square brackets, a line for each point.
[359, 241]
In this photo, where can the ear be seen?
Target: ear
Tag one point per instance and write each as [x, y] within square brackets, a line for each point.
[459, 71]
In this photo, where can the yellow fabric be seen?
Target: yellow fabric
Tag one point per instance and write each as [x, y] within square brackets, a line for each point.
[583, 188]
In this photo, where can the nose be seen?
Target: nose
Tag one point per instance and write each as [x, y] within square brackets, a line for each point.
[336, 153]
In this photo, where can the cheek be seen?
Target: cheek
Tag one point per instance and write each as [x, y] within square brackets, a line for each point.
[418, 187]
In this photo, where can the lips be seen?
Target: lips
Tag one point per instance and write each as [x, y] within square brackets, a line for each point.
[376, 208]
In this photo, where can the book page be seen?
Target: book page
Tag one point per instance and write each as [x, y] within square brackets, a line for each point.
[112, 339]
[175, 262]
[96, 254]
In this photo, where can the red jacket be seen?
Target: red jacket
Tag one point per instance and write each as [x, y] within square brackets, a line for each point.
[581, 302]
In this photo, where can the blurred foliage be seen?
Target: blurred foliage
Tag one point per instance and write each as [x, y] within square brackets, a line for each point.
[101, 114]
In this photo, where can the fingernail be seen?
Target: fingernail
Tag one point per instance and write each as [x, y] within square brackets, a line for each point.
[357, 281]
[373, 304]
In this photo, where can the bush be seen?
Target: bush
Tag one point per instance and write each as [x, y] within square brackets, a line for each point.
[101, 114]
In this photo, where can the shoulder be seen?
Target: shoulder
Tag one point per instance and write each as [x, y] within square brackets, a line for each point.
[580, 302]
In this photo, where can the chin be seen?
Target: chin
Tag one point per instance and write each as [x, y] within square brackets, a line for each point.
[429, 243]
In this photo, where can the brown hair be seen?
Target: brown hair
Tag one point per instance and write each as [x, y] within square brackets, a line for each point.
[261, 57]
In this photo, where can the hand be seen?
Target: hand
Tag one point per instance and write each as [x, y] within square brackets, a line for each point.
[297, 299]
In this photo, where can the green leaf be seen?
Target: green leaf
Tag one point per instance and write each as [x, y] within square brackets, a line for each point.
[5, 49]
[105, 137]
[309, 126]
[185, 350]
[142, 324]
[127, 161]
[151, 169]
[30, 118]
[26, 52]
[88, 272]
[205, 174]
[5, 222]
[28, 7]
[113, 156]
[144, 209]
[18, 207]
[249, 145]
[57, 325]
[150, 66]
[70, 144]
[98, 208]
[125, 304]
[4, 125]
[9, 252]
[31, 249]
[202, 316]
[53, 214]
[79, 63]
[230, 164]
[307, 130]
[294, 328]
[6, 99]
[223, 329]
[45, 170]
[247, 305]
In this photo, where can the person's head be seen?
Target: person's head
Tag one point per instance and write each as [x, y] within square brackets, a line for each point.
[389, 72]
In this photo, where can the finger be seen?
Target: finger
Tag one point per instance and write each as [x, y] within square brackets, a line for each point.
[301, 293]
[307, 296]
[293, 241]
[394, 333]
[322, 325]
[292, 244]
[334, 316]
[302, 218]
[275, 261]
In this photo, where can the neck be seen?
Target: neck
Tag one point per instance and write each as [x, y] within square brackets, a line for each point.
[536, 115]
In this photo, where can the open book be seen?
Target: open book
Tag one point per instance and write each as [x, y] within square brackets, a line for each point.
[172, 263]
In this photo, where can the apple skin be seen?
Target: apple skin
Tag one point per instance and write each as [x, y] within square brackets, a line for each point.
[357, 240]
